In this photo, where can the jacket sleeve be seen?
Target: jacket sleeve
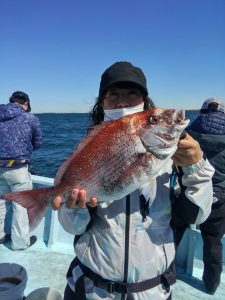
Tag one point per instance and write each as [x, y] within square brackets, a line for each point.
[194, 199]
[37, 135]
[74, 220]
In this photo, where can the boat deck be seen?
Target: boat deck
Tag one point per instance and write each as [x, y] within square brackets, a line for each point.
[47, 268]
[47, 261]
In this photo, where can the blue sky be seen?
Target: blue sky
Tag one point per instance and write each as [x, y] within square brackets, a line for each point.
[57, 50]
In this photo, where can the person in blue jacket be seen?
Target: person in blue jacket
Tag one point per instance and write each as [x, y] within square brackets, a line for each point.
[209, 130]
[20, 134]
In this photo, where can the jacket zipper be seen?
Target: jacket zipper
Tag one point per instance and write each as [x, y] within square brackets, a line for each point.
[126, 251]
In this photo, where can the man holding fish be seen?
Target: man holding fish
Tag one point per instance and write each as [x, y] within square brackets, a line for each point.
[114, 193]
[125, 249]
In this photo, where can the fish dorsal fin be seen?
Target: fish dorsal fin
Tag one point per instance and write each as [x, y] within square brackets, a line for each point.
[93, 132]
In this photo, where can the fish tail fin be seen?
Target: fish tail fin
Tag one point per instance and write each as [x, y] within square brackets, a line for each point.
[35, 201]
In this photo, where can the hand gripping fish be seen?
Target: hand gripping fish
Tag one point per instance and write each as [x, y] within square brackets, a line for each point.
[114, 159]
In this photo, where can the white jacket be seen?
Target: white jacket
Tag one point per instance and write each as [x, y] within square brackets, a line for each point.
[150, 244]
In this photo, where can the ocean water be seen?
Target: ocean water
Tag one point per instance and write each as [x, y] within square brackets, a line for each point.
[61, 134]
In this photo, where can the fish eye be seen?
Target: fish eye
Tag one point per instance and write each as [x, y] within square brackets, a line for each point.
[154, 120]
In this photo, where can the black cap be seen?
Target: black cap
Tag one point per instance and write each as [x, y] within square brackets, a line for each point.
[20, 97]
[123, 71]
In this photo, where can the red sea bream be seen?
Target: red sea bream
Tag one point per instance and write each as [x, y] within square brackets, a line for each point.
[113, 160]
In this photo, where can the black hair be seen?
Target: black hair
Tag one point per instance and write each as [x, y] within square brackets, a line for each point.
[21, 98]
[97, 113]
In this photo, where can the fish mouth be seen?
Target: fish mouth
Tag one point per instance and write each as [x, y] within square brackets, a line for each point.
[163, 153]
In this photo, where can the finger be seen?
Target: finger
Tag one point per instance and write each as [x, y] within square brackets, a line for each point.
[187, 139]
[57, 202]
[183, 151]
[81, 199]
[178, 161]
[186, 136]
[93, 202]
[75, 194]
[73, 198]
[186, 143]
[175, 157]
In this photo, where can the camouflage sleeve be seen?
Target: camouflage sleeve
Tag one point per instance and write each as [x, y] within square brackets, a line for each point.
[74, 220]
[37, 135]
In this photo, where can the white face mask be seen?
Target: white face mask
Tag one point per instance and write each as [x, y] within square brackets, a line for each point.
[114, 114]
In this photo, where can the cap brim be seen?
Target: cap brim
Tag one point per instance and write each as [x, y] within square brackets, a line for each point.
[124, 81]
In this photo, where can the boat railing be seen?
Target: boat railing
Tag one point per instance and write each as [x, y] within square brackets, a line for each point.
[53, 234]
[50, 230]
